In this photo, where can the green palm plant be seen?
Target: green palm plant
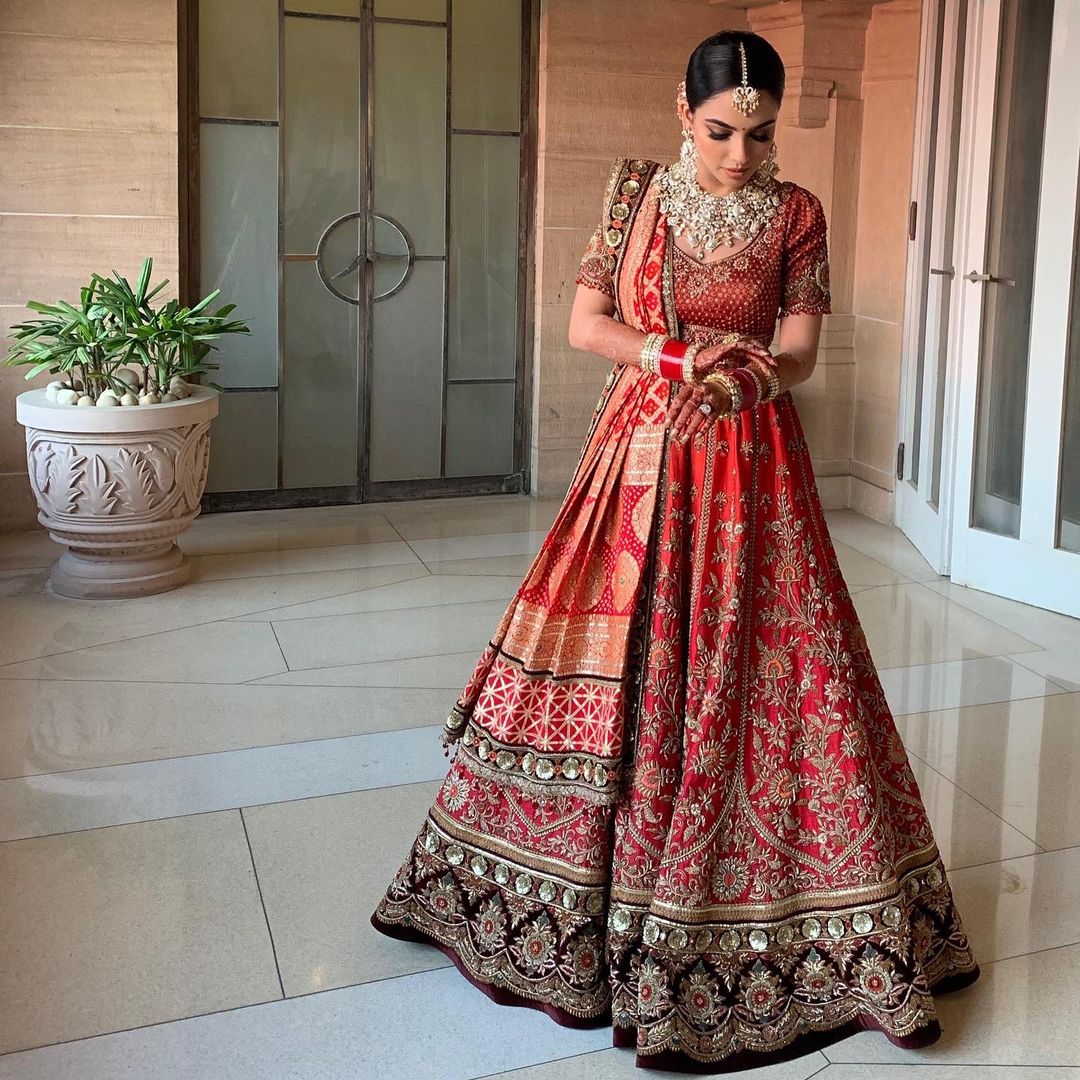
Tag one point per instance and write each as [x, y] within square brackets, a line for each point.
[116, 326]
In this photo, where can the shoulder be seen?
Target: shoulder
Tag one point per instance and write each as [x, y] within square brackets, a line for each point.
[803, 207]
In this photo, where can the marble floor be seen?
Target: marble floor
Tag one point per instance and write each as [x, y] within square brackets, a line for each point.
[203, 795]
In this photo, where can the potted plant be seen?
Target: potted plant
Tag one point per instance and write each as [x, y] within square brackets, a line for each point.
[117, 447]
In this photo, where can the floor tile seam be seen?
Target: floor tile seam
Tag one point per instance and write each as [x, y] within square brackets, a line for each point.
[510, 1073]
[218, 810]
[367, 663]
[882, 562]
[963, 660]
[123, 640]
[416, 554]
[1035, 647]
[262, 903]
[213, 753]
[250, 615]
[1048, 678]
[986, 704]
[988, 809]
[302, 573]
[281, 651]
[414, 607]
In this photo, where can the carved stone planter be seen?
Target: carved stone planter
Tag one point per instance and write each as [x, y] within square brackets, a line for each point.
[117, 487]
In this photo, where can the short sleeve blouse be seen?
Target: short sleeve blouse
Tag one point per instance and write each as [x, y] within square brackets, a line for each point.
[783, 271]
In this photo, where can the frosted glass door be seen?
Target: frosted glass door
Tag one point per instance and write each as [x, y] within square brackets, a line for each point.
[360, 189]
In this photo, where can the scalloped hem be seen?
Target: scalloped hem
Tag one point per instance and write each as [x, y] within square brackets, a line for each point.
[800, 1046]
[674, 1060]
[500, 995]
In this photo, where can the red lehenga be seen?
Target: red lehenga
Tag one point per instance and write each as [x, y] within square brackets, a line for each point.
[678, 802]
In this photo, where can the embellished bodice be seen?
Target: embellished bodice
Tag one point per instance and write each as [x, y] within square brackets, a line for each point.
[783, 270]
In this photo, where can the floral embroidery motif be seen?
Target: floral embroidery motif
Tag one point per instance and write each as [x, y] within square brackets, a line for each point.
[714, 837]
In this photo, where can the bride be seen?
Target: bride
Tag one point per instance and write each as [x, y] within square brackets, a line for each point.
[678, 803]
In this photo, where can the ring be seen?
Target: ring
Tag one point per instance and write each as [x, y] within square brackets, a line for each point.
[705, 409]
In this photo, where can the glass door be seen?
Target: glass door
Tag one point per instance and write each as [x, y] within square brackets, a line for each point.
[361, 191]
[1017, 500]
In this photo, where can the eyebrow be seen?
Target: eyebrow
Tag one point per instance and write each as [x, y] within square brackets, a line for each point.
[709, 120]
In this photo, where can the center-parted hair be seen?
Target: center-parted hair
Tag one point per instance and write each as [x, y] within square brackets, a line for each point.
[715, 66]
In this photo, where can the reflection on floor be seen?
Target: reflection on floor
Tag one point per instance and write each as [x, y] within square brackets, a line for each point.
[203, 794]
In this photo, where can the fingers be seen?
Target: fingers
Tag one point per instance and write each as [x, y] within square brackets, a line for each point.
[686, 413]
[677, 401]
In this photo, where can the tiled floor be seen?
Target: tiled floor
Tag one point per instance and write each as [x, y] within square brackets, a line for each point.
[203, 795]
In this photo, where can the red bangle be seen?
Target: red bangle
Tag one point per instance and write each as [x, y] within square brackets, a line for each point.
[750, 387]
[670, 359]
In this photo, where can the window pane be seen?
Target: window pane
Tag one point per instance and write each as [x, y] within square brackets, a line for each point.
[319, 429]
[321, 127]
[483, 256]
[479, 429]
[486, 65]
[238, 61]
[1069, 489]
[1020, 114]
[243, 443]
[407, 380]
[411, 9]
[238, 176]
[410, 131]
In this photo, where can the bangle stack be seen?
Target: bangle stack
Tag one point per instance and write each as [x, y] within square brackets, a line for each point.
[742, 387]
[772, 381]
[669, 358]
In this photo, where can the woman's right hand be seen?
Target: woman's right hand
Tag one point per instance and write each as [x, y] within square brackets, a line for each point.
[745, 349]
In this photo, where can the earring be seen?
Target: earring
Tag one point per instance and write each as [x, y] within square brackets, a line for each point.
[769, 167]
[688, 152]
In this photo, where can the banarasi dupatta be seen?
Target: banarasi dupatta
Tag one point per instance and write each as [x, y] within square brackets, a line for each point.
[679, 804]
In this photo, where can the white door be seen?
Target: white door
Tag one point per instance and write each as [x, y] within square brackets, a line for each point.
[925, 453]
[1007, 514]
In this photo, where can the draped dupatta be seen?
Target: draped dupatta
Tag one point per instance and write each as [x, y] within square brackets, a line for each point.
[548, 696]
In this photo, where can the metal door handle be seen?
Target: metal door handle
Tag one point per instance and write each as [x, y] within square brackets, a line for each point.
[944, 273]
[973, 277]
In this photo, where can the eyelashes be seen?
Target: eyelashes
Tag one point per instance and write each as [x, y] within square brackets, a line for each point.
[725, 135]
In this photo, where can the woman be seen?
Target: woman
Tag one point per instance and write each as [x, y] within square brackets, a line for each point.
[679, 803]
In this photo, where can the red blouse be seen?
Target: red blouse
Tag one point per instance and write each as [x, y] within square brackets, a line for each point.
[783, 271]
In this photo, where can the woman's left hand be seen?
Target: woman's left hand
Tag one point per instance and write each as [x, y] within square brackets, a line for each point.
[683, 414]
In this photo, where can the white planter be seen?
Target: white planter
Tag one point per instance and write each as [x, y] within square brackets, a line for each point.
[117, 487]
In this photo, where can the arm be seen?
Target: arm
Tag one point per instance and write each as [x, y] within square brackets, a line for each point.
[798, 347]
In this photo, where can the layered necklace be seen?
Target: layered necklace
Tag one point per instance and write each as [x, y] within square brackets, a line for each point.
[710, 221]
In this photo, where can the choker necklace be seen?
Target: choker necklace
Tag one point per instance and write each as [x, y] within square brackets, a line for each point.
[708, 220]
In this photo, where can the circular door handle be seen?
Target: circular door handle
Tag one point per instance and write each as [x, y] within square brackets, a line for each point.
[329, 278]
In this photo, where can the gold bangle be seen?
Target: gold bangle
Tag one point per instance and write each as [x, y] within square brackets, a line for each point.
[730, 387]
[688, 373]
[772, 381]
[650, 352]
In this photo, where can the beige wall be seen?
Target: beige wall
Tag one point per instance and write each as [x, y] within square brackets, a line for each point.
[89, 178]
[88, 123]
[889, 92]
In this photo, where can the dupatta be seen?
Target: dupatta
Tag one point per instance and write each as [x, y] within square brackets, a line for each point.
[548, 697]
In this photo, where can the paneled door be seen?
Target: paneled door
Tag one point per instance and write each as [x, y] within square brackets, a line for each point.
[991, 429]
[362, 192]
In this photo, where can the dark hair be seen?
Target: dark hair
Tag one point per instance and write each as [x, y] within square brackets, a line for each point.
[715, 66]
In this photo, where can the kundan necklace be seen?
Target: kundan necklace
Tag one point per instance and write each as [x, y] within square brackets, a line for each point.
[708, 220]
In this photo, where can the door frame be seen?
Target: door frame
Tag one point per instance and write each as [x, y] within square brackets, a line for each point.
[189, 286]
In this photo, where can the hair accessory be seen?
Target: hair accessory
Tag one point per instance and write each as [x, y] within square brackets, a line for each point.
[745, 98]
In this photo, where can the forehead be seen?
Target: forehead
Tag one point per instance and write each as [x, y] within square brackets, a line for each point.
[721, 107]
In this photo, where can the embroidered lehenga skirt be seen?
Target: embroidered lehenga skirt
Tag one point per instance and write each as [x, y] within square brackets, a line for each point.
[679, 804]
